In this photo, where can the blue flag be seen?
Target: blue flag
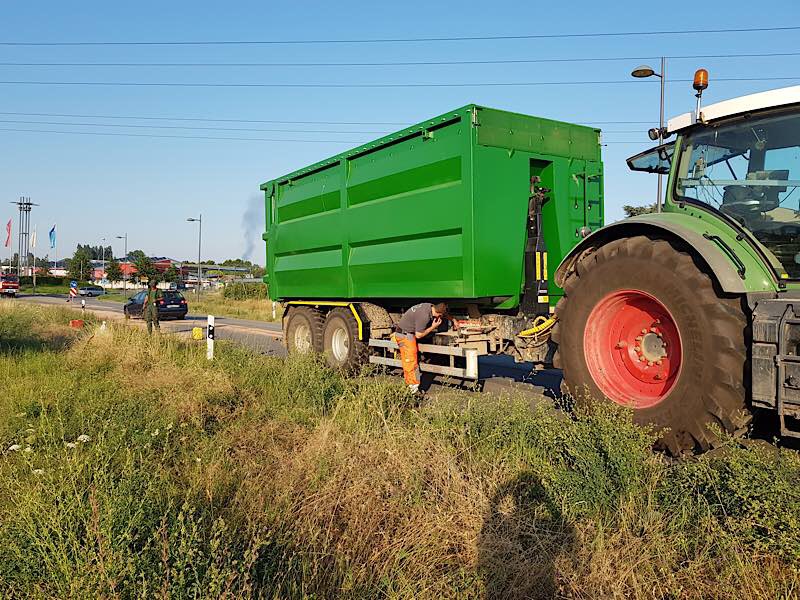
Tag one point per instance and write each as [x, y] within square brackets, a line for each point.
[53, 237]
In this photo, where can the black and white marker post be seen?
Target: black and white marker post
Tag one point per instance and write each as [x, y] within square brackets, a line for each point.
[210, 338]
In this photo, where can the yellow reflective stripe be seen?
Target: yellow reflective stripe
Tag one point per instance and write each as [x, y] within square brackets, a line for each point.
[319, 303]
[358, 320]
[544, 299]
[334, 303]
[544, 265]
[538, 266]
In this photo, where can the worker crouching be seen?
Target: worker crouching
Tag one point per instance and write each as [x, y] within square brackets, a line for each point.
[417, 322]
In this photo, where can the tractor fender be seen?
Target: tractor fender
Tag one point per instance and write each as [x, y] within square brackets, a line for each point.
[707, 251]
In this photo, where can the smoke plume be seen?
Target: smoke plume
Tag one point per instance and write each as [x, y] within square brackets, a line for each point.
[253, 227]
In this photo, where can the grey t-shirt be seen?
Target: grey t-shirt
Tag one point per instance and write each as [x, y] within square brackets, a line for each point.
[417, 318]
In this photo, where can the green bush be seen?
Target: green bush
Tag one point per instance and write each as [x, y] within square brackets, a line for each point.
[245, 291]
[44, 280]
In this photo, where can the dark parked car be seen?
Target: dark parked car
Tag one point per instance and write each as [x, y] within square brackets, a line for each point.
[172, 305]
[91, 290]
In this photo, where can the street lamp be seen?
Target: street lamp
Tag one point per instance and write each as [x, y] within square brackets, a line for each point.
[103, 256]
[124, 274]
[642, 72]
[199, 221]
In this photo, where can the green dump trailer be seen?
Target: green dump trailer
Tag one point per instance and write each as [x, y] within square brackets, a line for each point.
[469, 207]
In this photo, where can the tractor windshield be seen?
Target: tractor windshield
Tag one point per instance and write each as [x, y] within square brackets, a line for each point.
[749, 169]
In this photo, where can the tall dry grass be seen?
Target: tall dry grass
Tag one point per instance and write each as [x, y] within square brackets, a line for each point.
[257, 477]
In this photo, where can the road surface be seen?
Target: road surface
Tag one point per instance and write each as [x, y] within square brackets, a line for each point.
[267, 337]
[259, 335]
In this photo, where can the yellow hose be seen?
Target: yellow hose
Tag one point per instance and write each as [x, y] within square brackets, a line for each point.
[540, 325]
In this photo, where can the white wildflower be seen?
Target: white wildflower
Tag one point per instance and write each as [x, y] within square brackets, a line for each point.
[70, 444]
[38, 471]
[14, 448]
[83, 438]
[155, 433]
[184, 423]
[28, 449]
[197, 459]
[169, 426]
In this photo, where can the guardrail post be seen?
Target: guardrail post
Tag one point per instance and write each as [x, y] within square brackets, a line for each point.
[210, 338]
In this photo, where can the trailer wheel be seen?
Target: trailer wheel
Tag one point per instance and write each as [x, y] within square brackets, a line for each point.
[341, 346]
[642, 325]
[303, 330]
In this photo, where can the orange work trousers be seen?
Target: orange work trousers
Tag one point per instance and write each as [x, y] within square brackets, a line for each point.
[407, 343]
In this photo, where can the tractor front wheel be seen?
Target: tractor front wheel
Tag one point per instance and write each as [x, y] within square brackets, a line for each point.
[642, 324]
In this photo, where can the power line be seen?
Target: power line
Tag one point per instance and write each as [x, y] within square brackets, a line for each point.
[206, 119]
[395, 63]
[229, 120]
[204, 137]
[138, 126]
[186, 137]
[474, 38]
[372, 85]
[190, 127]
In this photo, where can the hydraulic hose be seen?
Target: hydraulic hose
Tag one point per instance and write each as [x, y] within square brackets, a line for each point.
[540, 325]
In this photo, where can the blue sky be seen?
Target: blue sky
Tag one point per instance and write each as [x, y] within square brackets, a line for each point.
[97, 186]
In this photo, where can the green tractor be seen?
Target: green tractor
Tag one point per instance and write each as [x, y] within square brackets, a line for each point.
[691, 315]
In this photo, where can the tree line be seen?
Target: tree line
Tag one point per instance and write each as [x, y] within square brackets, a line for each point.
[79, 267]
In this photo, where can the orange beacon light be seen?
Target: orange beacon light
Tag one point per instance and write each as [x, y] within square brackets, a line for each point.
[700, 80]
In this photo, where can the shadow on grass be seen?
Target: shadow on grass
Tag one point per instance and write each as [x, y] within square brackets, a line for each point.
[523, 535]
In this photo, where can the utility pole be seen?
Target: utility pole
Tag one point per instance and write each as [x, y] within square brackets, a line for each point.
[663, 78]
[25, 205]
[124, 274]
[33, 249]
[199, 221]
[103, 256]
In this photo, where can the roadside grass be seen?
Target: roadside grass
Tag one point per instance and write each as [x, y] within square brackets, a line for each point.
[44, 289]
[116, 296]
[214, 303]
[131, 467]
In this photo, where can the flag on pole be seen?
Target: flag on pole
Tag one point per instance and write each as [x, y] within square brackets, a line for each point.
[53, 237]
[33, 238]
[8, 234]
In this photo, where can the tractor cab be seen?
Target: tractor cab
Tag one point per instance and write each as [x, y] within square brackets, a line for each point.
[741, 160]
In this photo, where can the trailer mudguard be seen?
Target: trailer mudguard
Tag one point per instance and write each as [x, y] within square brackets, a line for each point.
[730, 278]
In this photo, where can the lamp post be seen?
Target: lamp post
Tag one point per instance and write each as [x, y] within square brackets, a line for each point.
[199, 221]
[124, 274]
[643, 72]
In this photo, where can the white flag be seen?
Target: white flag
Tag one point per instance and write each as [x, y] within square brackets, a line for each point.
[33, 238]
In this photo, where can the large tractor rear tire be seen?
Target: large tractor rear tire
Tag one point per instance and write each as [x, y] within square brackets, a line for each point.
[340, 341]
[642, 324]
[303, 330]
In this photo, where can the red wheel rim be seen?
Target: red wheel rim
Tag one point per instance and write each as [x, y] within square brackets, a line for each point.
[632, 348]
